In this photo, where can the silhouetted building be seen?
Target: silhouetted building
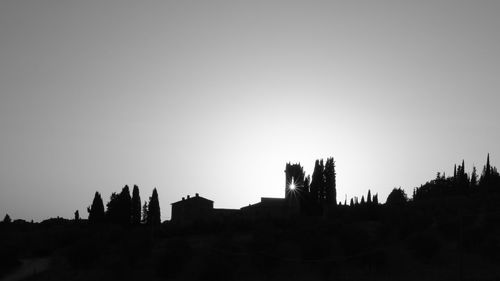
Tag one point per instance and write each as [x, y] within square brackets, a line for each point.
[225, 215]
[298, 200]
[266, 208]
[191, 209]
[296, 192]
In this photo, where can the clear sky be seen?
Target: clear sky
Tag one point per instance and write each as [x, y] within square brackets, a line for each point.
[215, 97]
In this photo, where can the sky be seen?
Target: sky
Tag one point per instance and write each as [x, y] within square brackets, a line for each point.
[215, 97]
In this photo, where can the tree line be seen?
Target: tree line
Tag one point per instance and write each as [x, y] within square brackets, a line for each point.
[314, 194]
[461, 183]
[125, 209]
[371, 200]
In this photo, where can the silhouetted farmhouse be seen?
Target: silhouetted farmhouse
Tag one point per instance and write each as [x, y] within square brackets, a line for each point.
[191, 209]
[199, 209]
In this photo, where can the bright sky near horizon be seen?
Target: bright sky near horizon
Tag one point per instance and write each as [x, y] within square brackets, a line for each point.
[216, 96]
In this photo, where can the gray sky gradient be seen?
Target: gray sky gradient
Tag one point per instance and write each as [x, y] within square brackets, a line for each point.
[216, 96]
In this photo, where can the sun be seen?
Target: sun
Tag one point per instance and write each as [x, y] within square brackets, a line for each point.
[292, 186]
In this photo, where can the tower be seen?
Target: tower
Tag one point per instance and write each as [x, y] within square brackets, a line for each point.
[295, 193]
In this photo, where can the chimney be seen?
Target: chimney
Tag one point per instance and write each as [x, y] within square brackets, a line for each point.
[188, 196]
[183, 198]
[197, 195]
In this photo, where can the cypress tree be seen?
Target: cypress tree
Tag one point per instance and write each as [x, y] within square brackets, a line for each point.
[154, 217]
[145, 213]
[136, 206]
[351, 203]
[485, 176]
[375, 199]
[362, 200]
[316, 182]
[113, 208]
[322, 187]
[307, 183]
[488, 167]
[330, 184]
[119, 207]
[369, 197]
[96, 211]
[473, 177]
[125, 206]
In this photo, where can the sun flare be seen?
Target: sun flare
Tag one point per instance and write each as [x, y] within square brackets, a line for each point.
[292, 186]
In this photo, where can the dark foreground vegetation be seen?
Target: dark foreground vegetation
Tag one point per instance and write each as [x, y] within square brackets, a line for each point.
[448, 230]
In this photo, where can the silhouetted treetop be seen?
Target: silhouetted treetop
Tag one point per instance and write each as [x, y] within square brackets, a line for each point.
[154, 216]
[136, 206]
[397, 197]
[473, 177]
[145, 212]
[460, 183]
[7, 219]
[330, 188]
[119, 207]
[317, 181]
[96, 211]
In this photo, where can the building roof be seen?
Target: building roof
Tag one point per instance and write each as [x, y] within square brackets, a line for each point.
[267, 202]
[196, 198]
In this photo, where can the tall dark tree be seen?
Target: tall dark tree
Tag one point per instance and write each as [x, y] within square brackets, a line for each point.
[369, 197]
[485, 178]
[113, 208]
[96, 211]
[7, 219]
[307, 183]
[322, 186]
[136, 206]
[316, 182]
[488, 167]
[461, 179]
[330, 189]
[119, 207]
[375, 199]
[473, 177]
[362, 200]
[77, 216]
[145, 212]
[127, 205]
[154, 217]
[351, 203]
